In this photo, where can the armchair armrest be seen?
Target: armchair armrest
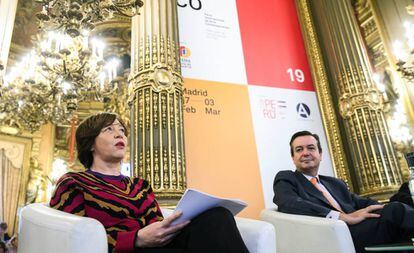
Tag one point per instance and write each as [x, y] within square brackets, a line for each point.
[317, 235]
[47, 230]
[259, 236]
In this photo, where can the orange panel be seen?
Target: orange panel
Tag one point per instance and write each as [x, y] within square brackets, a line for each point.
[220, 145]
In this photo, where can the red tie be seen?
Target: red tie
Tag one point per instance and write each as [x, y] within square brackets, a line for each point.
[314, 181]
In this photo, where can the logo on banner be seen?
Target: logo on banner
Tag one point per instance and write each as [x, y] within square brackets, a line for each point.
[303, 110]
[273, 108]
[185, 54]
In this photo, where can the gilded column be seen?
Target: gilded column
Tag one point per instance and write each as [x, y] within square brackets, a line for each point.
[359, 103]
[156, 101]
[7, 15]
[323, 91]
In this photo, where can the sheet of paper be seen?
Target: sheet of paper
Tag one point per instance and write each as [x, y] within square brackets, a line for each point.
[195, 202]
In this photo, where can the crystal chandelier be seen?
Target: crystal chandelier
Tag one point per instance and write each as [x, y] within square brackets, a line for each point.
[47, 84]
[66, 66]
[404, 52]
[77, 64]
[73, 16]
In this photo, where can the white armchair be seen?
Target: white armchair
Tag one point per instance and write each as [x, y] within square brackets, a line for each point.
[45, 230]
[301, 233]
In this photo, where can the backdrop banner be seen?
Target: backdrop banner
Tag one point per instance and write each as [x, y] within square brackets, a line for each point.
[248, 88]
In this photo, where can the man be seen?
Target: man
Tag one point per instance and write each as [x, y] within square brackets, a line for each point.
[305, 192]
[4, 237]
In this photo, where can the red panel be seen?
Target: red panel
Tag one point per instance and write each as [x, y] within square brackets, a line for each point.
[273, 44]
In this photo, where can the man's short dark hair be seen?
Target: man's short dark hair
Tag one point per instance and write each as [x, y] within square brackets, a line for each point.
[87, 132]
[304, 133]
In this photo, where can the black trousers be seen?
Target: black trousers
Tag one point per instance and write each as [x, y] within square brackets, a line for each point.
[396, 224]
[213, 231]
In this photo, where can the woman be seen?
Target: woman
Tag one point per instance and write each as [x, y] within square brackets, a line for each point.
[127, 207]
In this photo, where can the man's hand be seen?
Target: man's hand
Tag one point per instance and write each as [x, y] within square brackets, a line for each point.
[159, 233]
[360, 215]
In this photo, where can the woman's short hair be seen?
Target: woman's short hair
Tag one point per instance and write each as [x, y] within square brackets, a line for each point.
[87, 132]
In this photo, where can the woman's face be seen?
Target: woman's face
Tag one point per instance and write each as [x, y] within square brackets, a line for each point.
[110, 145]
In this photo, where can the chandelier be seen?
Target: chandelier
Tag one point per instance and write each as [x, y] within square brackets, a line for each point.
[65, 67]
[73, 16]
[47, 85]
[404, 52]
[77, 64]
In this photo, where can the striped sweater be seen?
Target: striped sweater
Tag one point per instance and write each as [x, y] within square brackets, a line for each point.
[122, 204]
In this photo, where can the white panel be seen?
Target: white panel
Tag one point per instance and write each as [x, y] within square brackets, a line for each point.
[7, 15]
[210, 40]
[277, 114]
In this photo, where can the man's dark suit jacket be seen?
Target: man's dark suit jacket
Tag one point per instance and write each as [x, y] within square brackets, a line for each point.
[295, 194]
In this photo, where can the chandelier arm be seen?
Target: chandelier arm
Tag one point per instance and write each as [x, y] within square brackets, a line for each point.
[65, 69]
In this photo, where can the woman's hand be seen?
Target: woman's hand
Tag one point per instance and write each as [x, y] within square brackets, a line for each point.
[159, 233]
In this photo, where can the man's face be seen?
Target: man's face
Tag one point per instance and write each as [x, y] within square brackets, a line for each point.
[306, 155]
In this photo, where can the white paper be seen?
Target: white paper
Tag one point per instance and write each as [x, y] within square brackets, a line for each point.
[194, 202]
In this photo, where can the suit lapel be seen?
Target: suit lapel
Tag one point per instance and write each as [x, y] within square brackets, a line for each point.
[309, 188]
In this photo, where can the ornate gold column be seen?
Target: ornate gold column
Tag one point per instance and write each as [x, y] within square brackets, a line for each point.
[373, 21]
[374, 168]
[156, 101]
[7, 15]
